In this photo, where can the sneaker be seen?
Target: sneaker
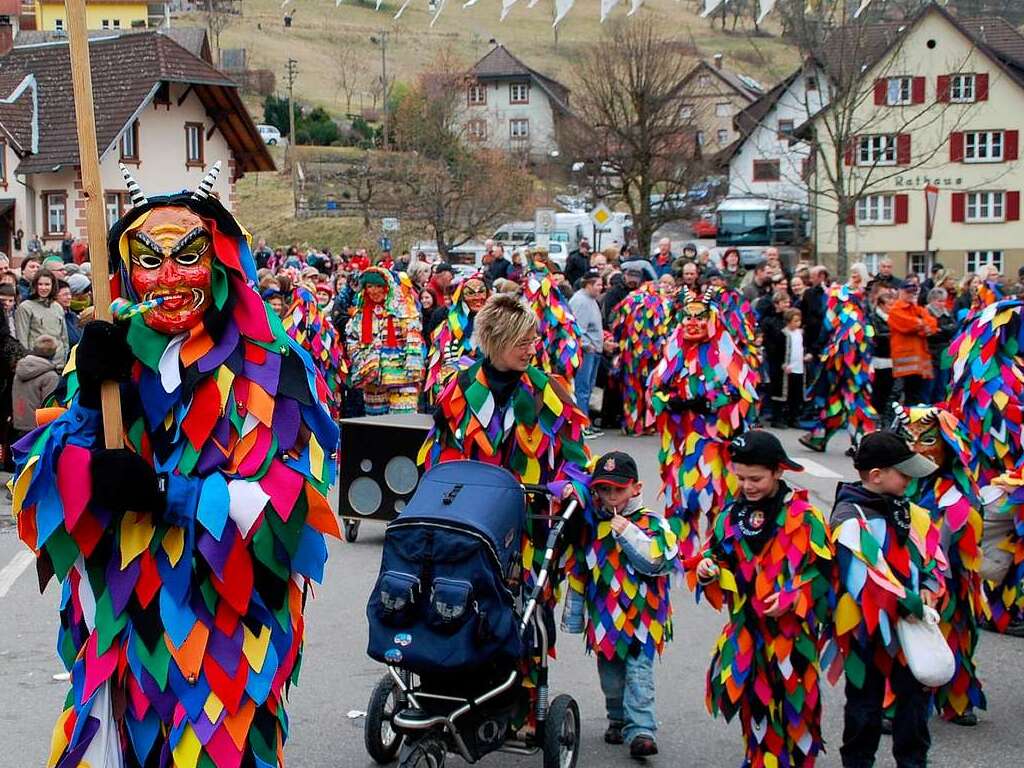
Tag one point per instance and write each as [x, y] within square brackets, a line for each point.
[643, 746]
[851, 452]
[590, 433]
[1014, 629]
[808, 442]
[886, 726]
[968, 719]
[613, 733]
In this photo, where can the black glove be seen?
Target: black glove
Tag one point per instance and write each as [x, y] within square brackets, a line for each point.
[103, 355]
[676, 404]
[123, 481]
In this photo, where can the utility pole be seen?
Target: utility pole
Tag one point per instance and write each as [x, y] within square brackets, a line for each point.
[292, 74]
[382, 40]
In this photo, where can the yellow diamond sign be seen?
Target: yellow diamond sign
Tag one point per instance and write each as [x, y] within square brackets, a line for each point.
[601, 214]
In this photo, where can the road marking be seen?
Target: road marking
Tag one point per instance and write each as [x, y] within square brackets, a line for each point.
[818, 470]
[14, 569]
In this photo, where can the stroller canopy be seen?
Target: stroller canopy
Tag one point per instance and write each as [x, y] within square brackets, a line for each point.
[482, 498]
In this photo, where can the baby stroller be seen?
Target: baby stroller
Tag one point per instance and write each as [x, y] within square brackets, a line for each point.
[450, 619]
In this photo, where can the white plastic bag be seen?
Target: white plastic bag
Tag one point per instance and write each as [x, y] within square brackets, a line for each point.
[928, 654]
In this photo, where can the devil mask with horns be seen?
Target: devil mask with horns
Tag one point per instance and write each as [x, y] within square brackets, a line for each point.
[697, 315]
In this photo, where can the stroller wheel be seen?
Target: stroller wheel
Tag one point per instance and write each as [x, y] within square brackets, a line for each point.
[428, 752]
[562, 733]
[351, 530]
[381, 739]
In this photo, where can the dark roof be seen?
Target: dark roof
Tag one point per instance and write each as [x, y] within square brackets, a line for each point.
[743, 85]
[127, 69]
[192, 39]
[750, 116]
[500, 64]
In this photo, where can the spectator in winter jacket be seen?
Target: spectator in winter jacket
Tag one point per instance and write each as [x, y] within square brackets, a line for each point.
[884, 278]
[938, 342]
[500, 268]
[911, 325]
[438, 284]
[881, 355]
[578, 263]
[760, 282]
[40, 314]
[663, 259]
[35, 377]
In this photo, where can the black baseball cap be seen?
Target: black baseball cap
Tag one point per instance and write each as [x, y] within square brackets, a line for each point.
[910, 284]
[883, 449]
[443, 267]
[614, 468]
[761, 449]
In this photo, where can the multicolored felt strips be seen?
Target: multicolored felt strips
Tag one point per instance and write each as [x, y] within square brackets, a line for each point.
[560, 350]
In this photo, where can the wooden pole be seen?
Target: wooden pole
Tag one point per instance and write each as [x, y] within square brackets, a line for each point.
[92, 188]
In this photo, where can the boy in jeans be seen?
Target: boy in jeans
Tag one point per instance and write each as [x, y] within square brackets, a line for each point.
[882, 539]
[619, 595]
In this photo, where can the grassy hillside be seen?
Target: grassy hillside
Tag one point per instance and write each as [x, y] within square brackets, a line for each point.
[321, 29]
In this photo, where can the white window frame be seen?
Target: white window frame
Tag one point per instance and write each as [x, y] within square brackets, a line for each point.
[975, 260]
[518, 93]
[876, 210]
[129, 142]
[117, 24]
[105, 24]
[984, 146]
[700, 138]
[723, 109]
[872, 260]
[963, 89]
[918, 264]
[61, 212]
[194, 130]
[723, 136]
[58, 25]
[899, 91]
[985, 207]
[686, 112]
[514, 129]
[477, 96]
[476, 130]
[877, 149]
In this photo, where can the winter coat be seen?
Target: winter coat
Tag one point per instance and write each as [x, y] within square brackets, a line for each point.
[910, 326]
[34, 379]
[34, 318]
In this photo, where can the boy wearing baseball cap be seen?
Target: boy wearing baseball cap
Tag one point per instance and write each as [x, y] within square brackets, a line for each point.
[768, 560]
[619, 596]
[890, 566]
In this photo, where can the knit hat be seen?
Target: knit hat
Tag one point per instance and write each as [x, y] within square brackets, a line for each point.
[78, 284]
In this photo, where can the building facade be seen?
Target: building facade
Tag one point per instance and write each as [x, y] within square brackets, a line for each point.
[513, 108]
[941, 110]
[712, 96]
[51, 15]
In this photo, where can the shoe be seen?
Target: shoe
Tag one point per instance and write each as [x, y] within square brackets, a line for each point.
[643, 746]
[808, 442]
[968, 719]
[851, 452]
[613, 733]
[590, 433]
[1015, 629]
[778, 425]
[887, 726]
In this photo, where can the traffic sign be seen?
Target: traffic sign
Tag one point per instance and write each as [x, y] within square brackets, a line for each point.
[389, 224]
[601, 214]
[544, 221]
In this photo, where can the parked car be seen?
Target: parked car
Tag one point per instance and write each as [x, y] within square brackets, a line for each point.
[269, 133]
[674, 203]
[706, 190]
[705, 227]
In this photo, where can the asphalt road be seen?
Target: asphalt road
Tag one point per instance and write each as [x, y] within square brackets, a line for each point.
[325, 709]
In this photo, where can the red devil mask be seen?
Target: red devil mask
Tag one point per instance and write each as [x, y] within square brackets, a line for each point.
[697, 321]
[172, 257]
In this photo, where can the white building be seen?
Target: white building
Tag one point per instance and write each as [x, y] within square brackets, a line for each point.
[164, 112]
[766, 161]
[514, 108]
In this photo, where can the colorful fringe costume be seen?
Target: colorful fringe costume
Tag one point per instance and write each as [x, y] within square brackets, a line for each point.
[181, 632]
[987, 396]
[739, 319]
[703, 393]
[385, 347]
[953, 499]
[451, 344]
[560, 350]
[846, 368]
[307, 323]
[639, 328]
[765, 669]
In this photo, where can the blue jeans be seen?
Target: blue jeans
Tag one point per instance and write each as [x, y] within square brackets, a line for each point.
[628, 687]
[586, 375]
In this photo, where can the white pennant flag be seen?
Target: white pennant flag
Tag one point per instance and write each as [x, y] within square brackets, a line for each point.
[378, 5]
[532, 3]
[506, 8]
[562, 7]
[710, 6]
[635, 6]
[764, 8]
[863, 7]
[606, 8]
[440, 7]
[402, 9]
[469, 3]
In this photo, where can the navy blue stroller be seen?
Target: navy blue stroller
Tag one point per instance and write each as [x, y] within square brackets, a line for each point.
[450, 618]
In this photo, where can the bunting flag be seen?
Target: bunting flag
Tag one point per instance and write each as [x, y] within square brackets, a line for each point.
[710, 6]
[634, 6]
[190, 622]
[506, 8]
[764, 7]
[562, 7]
[764, 669]
[405, 5]
[845, 376]
[437, 13]
[606, 8]
[861, 8]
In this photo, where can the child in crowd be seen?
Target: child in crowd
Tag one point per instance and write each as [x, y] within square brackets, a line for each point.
[35, 377]
[769, 561]
[793, 367]
[619, 595]
[890, 565]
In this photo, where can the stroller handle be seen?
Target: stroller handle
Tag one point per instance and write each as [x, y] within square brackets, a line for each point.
[538, 489]
[549, 554]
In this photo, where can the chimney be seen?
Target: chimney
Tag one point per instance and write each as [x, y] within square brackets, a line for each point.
[718, 61]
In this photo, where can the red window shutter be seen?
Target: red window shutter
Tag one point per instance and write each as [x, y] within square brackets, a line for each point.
[880, 91]
[848, 155]
[942, 88]
[956, 147]
[981, 87]
[902, 209]
[917, 90]
[959, 207]
[1013, 206]
[1010, 141]
[903, 149]
[851, 215]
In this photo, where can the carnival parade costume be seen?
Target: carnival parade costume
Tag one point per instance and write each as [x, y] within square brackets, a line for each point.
[953, 499]
[184, 558]
[451, 344]
[384, 342]
[561, 349]
[845, 374]
[986, 396]
[309, 324]
[703, 393]
[639, 327]
[765, 669]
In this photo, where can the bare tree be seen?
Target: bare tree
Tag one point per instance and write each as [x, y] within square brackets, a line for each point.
[350, 71]
[631, 126]
[219, 15]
